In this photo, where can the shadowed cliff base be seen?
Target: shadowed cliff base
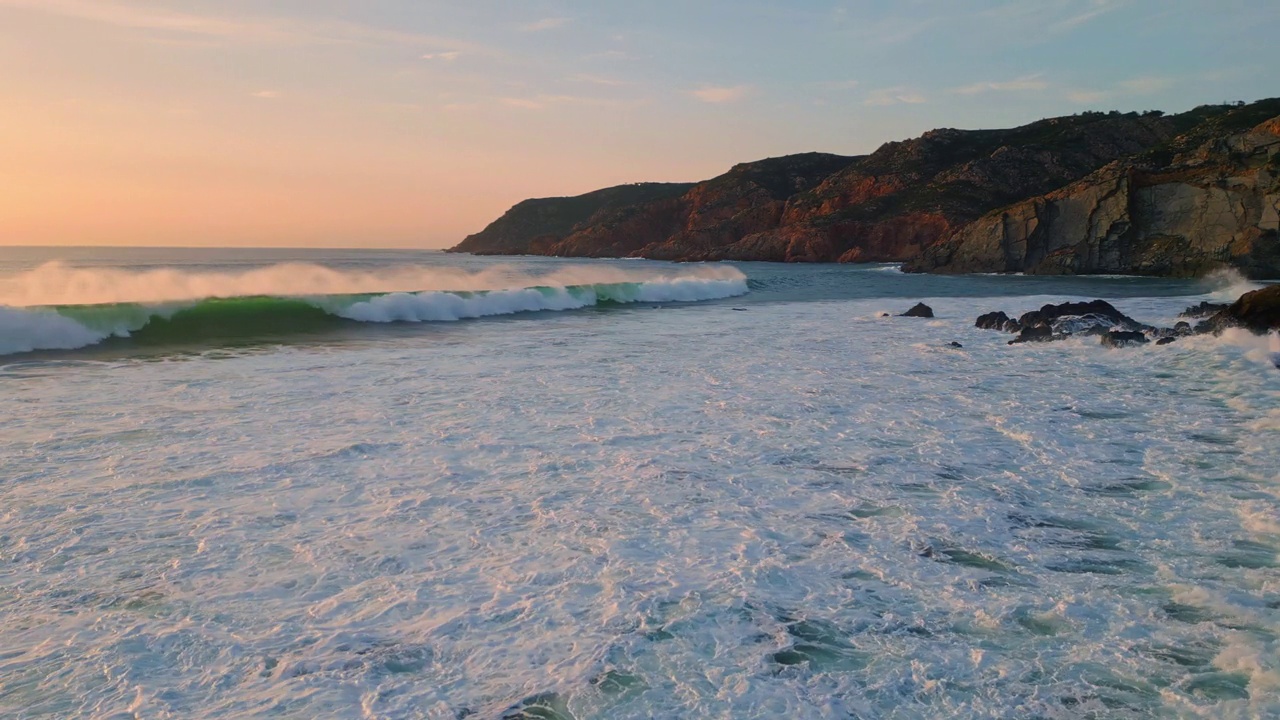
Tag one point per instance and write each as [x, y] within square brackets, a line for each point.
[1133, 193]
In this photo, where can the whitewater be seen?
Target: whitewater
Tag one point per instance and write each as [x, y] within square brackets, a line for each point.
[350, 484]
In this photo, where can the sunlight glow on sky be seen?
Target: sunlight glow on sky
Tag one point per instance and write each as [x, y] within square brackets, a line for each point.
[411, 123]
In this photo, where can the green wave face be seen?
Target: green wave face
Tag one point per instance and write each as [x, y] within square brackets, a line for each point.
[208, 320]
[269, 319]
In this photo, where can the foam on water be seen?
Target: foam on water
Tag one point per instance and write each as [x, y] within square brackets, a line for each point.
[801, 510]
[282, 299]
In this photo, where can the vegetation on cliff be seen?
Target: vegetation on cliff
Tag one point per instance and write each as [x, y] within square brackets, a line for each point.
[1028, 199]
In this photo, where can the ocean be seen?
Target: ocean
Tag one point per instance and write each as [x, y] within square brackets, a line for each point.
[405, 484]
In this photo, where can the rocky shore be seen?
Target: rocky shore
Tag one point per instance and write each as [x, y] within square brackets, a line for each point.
[1257, 312]
[1149, 193]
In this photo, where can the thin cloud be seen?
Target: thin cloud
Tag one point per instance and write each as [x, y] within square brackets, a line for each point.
[546, 24]
[447, 57]
[609, 55]
[717, 94]
[1028, 83]
[839, 85]
[267, 94]
[1132, 86]
[1145, 85]
[523, 103]
[1098, 9]
[894, 96]
[597, 80]
[267, 30]
[542, 102]
[1088, 97]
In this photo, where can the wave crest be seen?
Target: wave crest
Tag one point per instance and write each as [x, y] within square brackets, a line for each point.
[71, 326]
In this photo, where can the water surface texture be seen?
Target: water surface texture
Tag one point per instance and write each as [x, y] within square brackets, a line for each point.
[410, 485]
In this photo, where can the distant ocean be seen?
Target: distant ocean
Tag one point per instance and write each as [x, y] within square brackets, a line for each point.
[398, 484]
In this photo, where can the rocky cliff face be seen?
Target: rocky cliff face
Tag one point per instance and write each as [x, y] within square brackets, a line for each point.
[707, 219]
[530, 225]
[1206, 201]
[1089, 193]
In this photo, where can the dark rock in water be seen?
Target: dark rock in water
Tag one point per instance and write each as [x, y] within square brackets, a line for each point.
[1257, 312]
[884, 315]
[1203, 310]
[1056, 322]
[955, 345]
[1088, 326]
[1096, 308]
[1182, 329]
[1095, 317]
[997, 321]
[1121, 338]
[1167, 340]
[1034, 333]
[920, 310]
[739, 309]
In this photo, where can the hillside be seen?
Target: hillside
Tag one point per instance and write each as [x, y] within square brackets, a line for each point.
[935, 202]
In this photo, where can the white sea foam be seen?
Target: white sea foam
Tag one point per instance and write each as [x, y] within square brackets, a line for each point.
[57, 283]
[798, 511]
[1227, 285]
[26, 330]
[438, 306]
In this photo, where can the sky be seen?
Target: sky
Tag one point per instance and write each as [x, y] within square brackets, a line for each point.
[413, 123]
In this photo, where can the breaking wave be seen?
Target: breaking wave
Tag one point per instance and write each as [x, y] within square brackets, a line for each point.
[185, 308]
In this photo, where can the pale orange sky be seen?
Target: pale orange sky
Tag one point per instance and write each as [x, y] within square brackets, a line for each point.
[397, 123]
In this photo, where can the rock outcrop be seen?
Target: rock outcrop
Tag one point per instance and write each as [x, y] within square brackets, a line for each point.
[1204, 309]
[1092, 193]
[1058, 322]
[919, 310]
[1257, 312]
[1208, 199]
[532, 225]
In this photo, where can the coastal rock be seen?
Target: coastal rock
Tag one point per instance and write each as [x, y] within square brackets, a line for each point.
[1076, 317]
[1041, 332]
[1123, 338]
[1064, 320]
[997, 321]
[919, 311]
[1257, 312]
[1167, 340]
[531, 226]
[1207, 199]
[1127, 193]
[1203, 310]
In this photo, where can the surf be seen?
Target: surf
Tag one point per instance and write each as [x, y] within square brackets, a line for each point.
[167, 315]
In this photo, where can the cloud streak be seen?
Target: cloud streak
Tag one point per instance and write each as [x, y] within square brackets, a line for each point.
[543, 102]
[1027, 83]
[1098, 9]
[1148, 85]
[545, 24]
[894, 96]
[716, 94]
[264, 30]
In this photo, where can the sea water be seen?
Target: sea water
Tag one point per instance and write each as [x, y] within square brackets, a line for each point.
[305, 484]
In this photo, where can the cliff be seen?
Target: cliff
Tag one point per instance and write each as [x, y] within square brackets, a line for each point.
[1098, 192]
[525, 226]
[1209, 198]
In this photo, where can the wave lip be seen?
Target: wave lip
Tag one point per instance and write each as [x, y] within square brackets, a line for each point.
[69, 327]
